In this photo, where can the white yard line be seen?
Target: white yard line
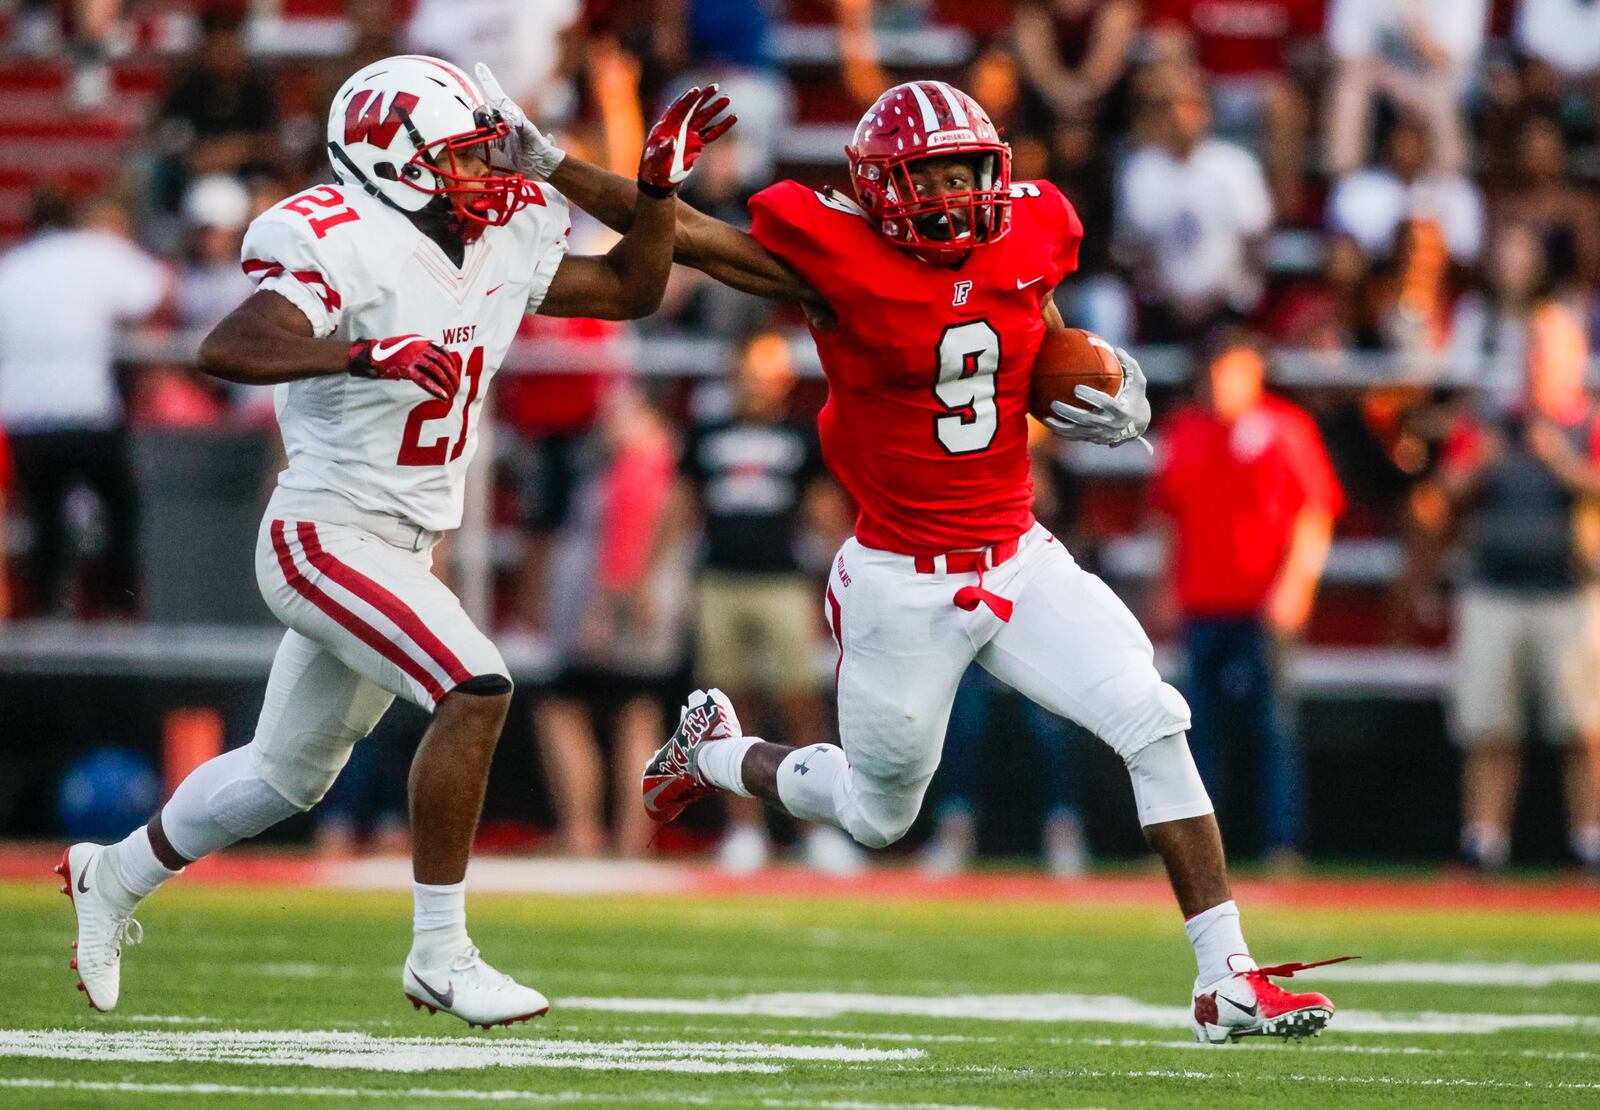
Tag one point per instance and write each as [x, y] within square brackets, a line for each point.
[458, 1095]
[1100, 1009]
[1321, 1047]
[210, 1089]
[363, 1052]
[1298, 1077]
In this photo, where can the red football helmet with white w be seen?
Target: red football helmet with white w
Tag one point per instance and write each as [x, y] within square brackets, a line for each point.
[398, 129]
[930, 119]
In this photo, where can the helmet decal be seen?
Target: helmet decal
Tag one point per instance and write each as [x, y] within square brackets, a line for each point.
[363, 122]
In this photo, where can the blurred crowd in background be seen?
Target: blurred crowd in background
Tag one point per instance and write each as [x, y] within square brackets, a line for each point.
[1386, 210]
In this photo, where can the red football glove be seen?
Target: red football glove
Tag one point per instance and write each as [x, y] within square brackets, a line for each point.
[408, 358]
[678, 138]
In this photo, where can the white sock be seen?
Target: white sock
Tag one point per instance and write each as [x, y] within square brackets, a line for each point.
[720, 763]
[1586, 844]
[437, 907]
[136, 865]
[1219, 947]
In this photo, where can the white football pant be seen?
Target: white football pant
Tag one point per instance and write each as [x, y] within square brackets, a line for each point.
[1069, 644]
[368, 621]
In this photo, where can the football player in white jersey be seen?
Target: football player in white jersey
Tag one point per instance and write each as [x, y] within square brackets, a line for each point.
[386, 301]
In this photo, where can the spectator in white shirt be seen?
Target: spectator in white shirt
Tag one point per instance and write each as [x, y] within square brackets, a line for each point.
[1419, 53]
[1563, 34]
[1372, 205]
[64, 293]
[1192, 212]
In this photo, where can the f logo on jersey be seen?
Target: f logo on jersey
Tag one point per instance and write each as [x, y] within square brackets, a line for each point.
[365, 122]
[963, 291]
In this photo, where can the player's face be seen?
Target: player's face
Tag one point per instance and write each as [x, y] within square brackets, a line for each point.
[933, 178]
[466, 162]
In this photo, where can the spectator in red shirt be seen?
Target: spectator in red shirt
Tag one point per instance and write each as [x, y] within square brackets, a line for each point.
[1245, 48]
[1251, 498]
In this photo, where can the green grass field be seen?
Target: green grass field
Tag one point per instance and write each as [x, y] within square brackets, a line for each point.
[277, 997]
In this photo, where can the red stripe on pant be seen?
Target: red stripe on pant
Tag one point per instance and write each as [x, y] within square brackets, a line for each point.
[404, 617]
[347, 620]
[836, 621]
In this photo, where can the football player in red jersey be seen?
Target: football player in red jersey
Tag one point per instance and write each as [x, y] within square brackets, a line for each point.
[928, 295]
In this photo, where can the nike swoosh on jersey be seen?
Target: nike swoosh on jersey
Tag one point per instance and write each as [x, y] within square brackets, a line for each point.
[1024, 284]
[495, 290]
[447, 999]
[380, 352]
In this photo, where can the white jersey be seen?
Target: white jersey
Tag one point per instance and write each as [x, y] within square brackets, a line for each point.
[358, 269]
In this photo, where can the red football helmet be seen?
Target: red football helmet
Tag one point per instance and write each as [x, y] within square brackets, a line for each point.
[930, 119]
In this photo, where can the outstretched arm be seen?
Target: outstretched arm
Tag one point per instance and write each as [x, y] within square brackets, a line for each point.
[628, 282]
[267, 340]
[718, 249]
[625, 283]
[703, 242]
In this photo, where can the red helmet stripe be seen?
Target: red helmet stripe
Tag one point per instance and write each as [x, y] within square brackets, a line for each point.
[930, 118]
[958, 114]
[466, 86]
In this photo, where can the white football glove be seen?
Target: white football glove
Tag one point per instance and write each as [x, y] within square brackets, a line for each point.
[1112, 420]
[531, 151]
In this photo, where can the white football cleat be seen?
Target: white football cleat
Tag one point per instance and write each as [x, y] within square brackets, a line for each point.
[1248, 1004]
[472, 991]
[105, 924]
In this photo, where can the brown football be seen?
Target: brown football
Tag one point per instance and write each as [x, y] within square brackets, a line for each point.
[1068, 359]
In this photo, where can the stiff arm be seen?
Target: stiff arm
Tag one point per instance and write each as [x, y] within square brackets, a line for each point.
[704, 243]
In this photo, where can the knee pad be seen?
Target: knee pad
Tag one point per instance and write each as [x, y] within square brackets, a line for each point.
[302, 782]
[485, 686]
[1166, 783]
[819, 784]
[878, 820]
[223, 801]
[1149, 710]
[877, 811]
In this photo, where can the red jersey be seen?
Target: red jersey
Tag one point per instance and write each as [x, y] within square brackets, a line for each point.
[1233, 492]
[928, 368]
[1241, 38]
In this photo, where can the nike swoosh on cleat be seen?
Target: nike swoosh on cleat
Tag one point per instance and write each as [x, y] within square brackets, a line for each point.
[83, 887]
[651, 796]
[1252, 1010]
[447, 999]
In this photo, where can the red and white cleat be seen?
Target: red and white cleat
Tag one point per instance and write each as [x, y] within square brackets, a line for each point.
[1248, 1004]
[670, 785]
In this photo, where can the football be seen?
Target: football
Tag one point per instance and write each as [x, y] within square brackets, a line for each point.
[1068, 359]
